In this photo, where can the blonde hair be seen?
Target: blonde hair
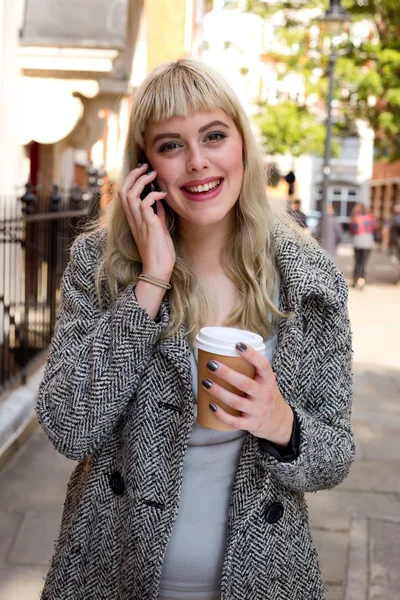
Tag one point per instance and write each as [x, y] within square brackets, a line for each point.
[178, 90]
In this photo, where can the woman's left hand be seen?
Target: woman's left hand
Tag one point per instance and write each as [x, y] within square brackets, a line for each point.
[265, 414]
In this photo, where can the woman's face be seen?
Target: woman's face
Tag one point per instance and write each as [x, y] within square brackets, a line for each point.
[199, 164]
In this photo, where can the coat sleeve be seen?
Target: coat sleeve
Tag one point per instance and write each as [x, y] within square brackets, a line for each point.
[96, 358]
[326, 445]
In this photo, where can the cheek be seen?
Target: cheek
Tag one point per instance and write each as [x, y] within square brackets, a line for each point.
[238, 170]
[165, 175]
[237, 160]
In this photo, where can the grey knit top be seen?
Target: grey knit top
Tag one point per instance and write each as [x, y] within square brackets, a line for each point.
[193, 562]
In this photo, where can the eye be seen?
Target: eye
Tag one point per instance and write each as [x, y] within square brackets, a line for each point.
[215, 136]
[169, 147]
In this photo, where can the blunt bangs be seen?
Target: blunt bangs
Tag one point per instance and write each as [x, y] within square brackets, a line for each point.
[178, 90]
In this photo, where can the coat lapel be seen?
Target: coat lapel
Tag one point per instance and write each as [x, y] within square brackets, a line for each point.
[252, 482]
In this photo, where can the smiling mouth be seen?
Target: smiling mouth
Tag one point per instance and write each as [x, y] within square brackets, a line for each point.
[197, 189]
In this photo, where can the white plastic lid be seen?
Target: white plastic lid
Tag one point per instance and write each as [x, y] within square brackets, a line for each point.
[222, 340]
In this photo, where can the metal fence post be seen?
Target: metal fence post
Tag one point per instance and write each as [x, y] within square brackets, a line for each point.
[35, 234]
[30, 200]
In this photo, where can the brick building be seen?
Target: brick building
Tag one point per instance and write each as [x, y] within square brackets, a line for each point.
[385, 190]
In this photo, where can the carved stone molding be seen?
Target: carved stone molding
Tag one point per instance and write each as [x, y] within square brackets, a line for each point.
[90, 127]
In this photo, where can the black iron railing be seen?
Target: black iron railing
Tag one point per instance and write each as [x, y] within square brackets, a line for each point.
[36, 232]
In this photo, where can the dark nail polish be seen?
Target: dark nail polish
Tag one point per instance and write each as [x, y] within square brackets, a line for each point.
[212, 365]
[213, 406]
[139, 165]
[151, 172]
[241, 347]
[206, 383]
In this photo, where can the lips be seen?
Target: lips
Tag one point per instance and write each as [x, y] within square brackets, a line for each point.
[206, 190]
[195, 182]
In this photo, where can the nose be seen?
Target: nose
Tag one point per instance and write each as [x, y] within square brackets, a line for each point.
[197, 159]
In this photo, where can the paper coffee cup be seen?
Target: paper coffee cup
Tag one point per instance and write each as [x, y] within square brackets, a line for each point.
[219, 343]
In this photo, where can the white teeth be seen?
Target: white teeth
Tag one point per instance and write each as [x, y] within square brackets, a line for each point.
[204, 188]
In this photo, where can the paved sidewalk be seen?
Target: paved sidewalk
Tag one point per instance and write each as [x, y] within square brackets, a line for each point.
[356, 526]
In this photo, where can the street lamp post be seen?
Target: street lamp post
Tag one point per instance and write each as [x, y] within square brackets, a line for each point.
[333, 21]
[326, 169]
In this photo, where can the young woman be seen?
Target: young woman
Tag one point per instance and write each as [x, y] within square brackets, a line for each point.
[159, 507]
[362, 229]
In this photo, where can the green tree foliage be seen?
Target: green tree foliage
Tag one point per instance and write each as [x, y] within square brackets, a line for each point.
[367, 74]
[376, 93]
[287, 128]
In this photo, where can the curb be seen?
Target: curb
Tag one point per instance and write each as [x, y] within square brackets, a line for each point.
[357, 583]
[17, 416]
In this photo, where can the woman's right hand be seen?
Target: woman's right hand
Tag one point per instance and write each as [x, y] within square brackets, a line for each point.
[149, 230]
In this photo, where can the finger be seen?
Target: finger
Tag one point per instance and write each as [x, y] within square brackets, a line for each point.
[231, 399]
[131, 178]
[131, 204]
[134, 220]
[258, 360]
[151, 199]
[233, 421]
[147, 208]
[134, 199]
[238, 380]
[137, 189]
[125, 191]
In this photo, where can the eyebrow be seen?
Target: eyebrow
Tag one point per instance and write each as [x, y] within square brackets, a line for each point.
[174, 136]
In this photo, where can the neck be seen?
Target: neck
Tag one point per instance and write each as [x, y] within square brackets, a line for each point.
[204, 245]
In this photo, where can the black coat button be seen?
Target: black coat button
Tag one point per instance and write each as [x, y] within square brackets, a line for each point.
[274, 512]
[117, 483]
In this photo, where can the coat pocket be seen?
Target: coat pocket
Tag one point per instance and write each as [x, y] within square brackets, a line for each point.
[275, 557]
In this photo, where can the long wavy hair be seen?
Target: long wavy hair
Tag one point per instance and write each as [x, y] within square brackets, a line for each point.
[179, 89]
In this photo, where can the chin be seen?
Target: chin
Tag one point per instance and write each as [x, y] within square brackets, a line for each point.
[204, 217]
[204, 221]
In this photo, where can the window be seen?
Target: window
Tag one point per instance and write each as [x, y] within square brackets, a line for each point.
[342, 197]
[337, 205]
[349, 208]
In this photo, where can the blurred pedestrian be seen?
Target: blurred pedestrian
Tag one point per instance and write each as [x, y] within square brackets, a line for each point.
[333, 232]
[362, 229]
[295, 212]
[158, 506]
[394, 236]
[379, 235]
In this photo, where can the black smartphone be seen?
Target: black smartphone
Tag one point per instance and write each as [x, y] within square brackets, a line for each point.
[150, 187]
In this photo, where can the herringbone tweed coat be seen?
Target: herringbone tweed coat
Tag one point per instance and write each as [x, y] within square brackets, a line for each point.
[118, 399]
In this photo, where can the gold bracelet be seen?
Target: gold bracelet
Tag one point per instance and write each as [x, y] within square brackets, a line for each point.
[155, 281]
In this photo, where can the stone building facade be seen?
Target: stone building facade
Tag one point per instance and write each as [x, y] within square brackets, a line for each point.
[67, 73]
